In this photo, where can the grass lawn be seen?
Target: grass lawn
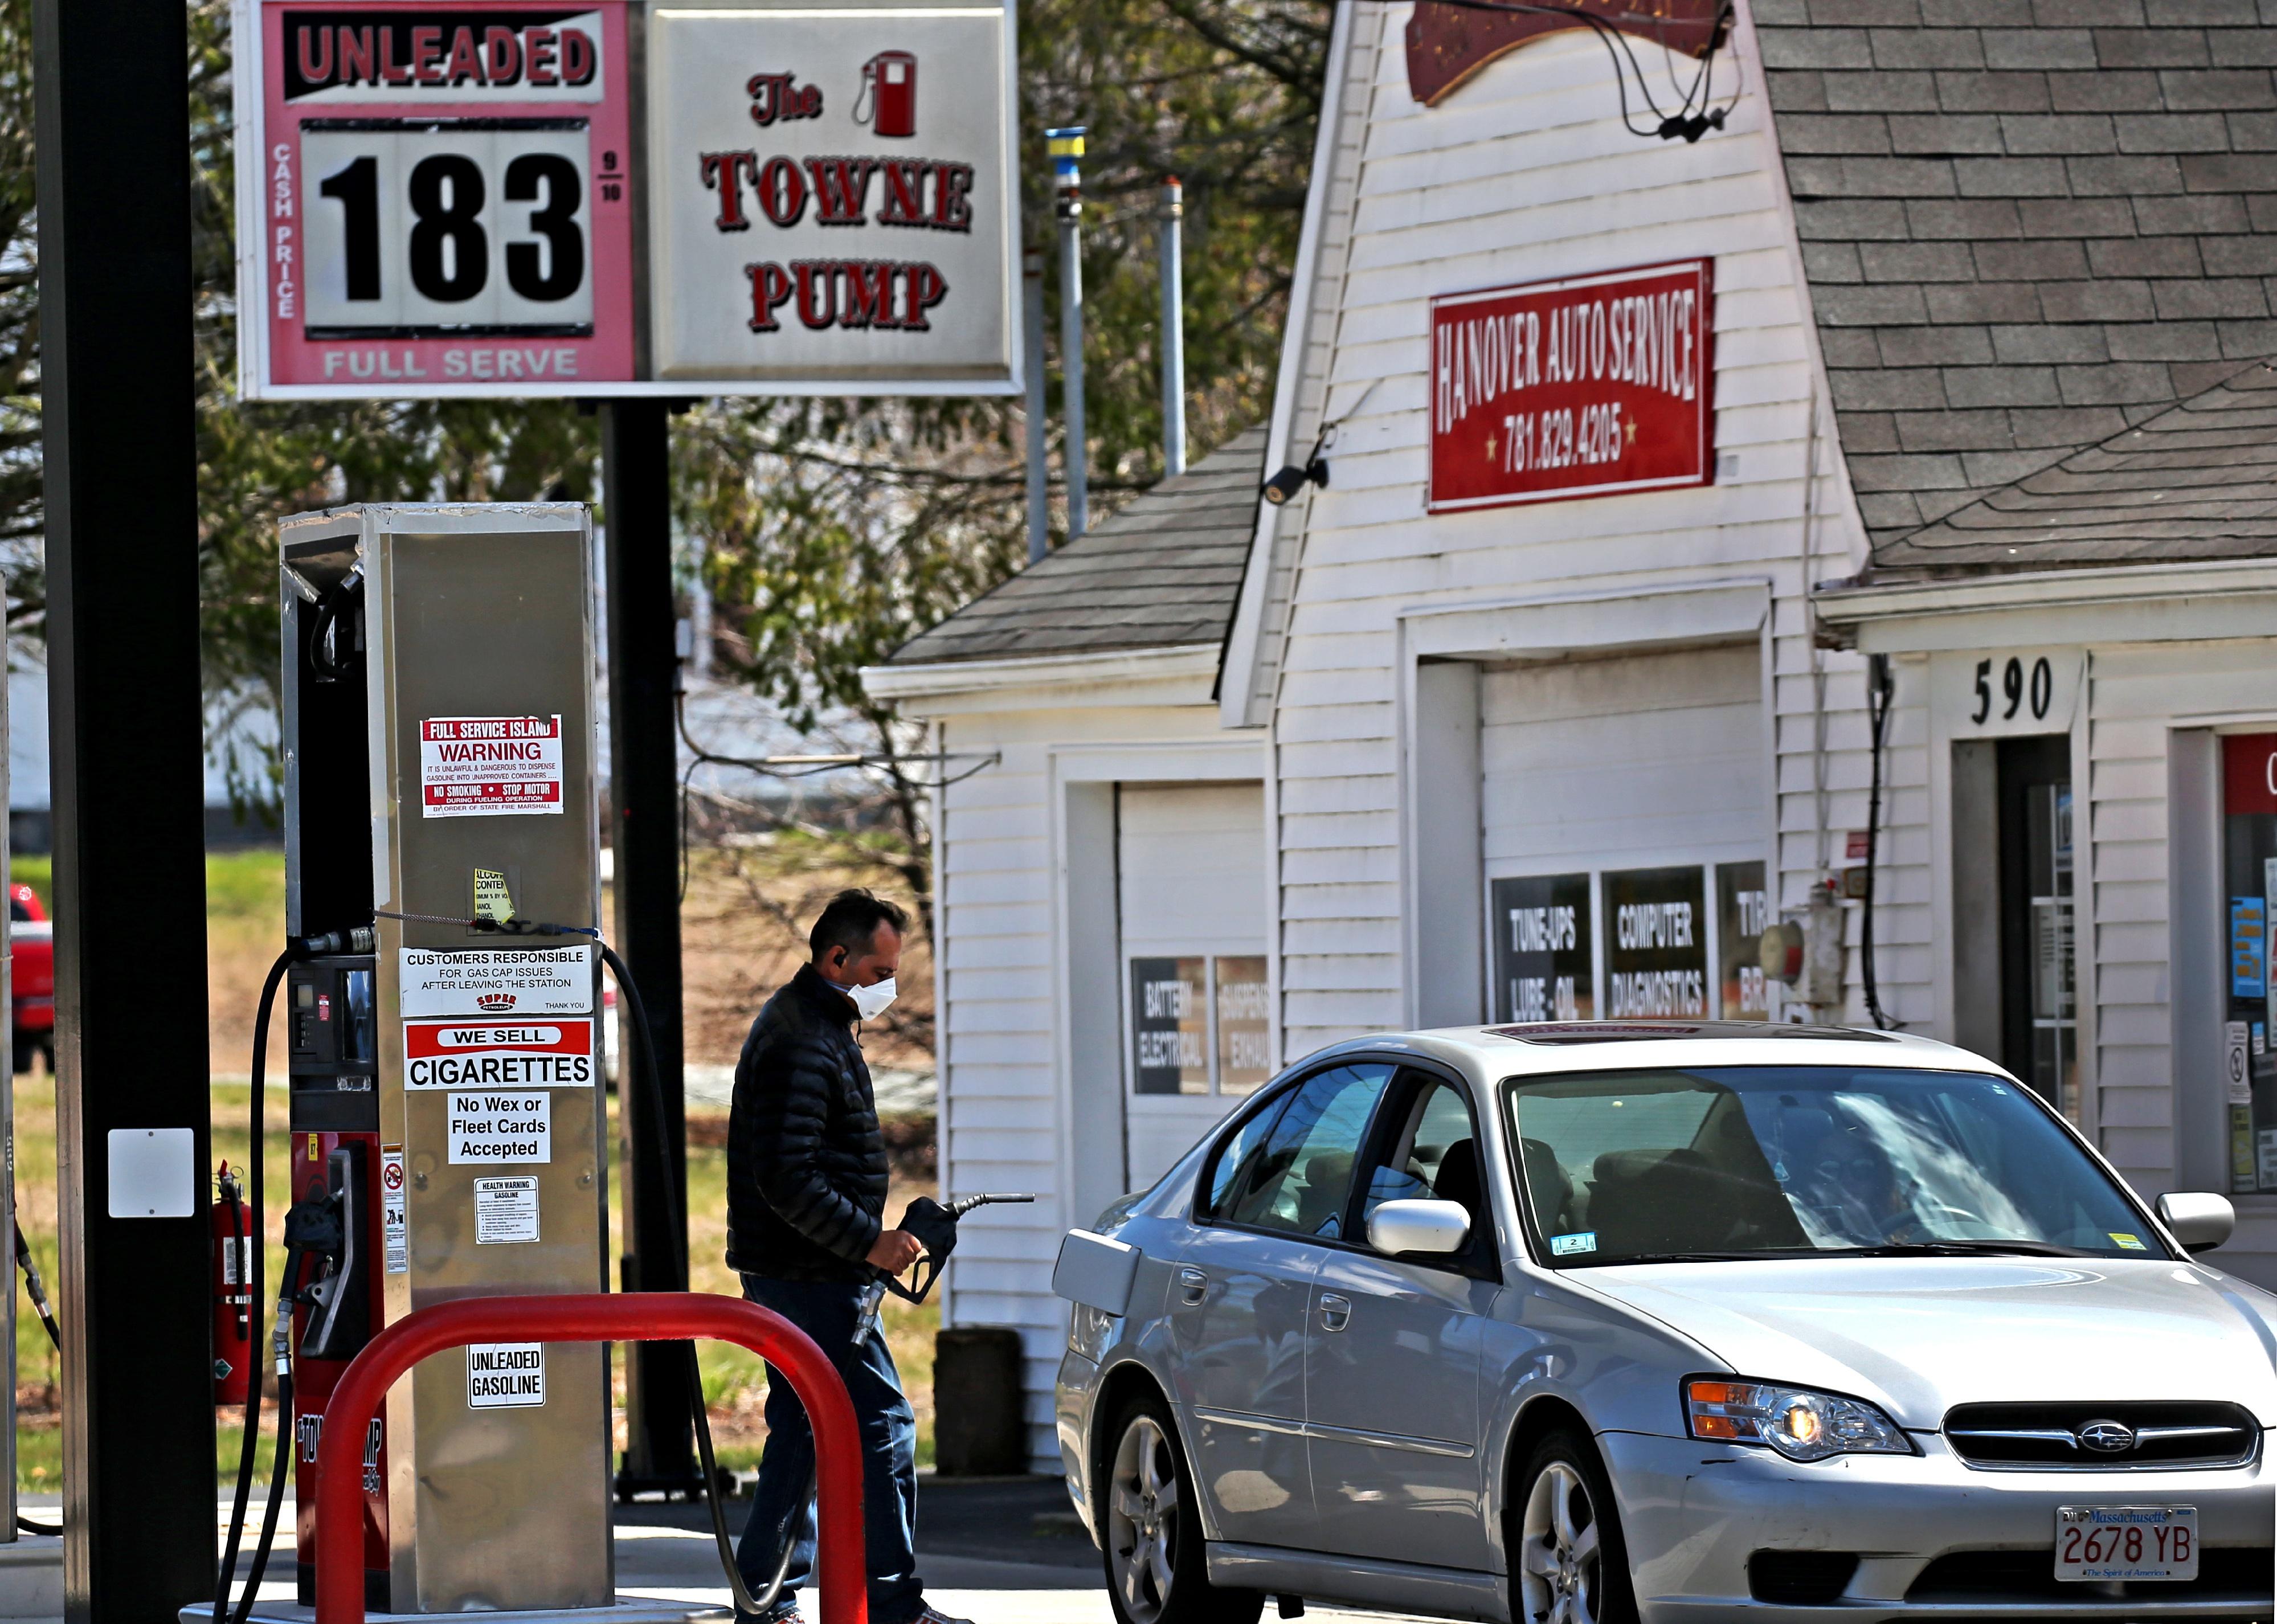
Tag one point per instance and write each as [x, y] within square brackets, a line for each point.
[245, 912]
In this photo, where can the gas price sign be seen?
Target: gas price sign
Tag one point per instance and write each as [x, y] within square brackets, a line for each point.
[452, 198]
[831, 205]
[444, 201]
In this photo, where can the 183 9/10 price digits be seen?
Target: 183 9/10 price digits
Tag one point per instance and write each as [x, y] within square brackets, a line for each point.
[476, 226]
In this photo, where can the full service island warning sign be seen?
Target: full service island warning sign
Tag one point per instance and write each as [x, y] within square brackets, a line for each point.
[490, 767]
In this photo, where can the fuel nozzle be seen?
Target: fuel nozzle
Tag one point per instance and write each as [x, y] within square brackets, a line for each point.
[355, 939]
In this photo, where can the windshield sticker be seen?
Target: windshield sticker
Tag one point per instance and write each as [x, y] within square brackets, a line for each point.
[1565, 1245]
[2132, 1243]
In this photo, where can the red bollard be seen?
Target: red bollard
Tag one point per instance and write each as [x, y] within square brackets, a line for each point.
[644, 1316]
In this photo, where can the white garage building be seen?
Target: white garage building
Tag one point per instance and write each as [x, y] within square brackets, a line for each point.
[1943, 347]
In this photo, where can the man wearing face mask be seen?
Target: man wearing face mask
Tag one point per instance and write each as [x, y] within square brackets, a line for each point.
[806, 1198]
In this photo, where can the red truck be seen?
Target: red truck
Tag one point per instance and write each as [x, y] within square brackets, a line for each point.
[34, 942]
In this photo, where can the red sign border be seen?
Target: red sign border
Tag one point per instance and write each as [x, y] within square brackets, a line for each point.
[1704, 425]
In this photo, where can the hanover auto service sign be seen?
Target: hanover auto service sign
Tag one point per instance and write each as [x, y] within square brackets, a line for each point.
[831, 202]
[1580, 388]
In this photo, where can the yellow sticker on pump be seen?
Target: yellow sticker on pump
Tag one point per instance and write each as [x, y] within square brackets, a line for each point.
[493, 899]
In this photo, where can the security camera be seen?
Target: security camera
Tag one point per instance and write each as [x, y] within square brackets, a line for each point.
[1290, 480]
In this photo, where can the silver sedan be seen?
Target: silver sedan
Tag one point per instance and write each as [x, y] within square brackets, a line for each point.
[1589, 1324]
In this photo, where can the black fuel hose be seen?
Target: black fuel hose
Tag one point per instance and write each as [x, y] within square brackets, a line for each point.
[251, 1441]
[36, 1289]
[747, 1606]
[279, 1339]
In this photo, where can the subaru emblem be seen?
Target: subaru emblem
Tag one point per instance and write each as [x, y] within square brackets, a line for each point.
[2106, 1437]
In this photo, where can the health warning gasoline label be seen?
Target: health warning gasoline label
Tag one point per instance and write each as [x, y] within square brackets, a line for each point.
[543, 1053]
[505, 1209]
[506, 1375]
[490, 767]
[501, 1128]
[497, 981]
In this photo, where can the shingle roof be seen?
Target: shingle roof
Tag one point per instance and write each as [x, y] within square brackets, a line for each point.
[1164, 570]
[2029, 226]
[2196, 482]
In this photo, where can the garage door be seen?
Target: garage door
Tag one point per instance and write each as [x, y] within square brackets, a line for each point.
[1625, 820]
[1191, 874]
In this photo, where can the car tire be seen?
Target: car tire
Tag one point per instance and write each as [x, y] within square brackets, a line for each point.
[1568, 1563]
[1150, 1531]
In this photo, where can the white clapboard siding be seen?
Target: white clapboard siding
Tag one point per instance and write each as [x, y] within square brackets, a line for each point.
[2135, 694]
[1002, 1096]
[1524, 173]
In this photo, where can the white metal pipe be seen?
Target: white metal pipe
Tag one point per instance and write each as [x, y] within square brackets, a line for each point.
[1031, 321]
[1072, 450]
[1172, 215]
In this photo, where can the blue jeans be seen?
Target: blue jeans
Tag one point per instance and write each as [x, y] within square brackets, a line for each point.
[780, 1507]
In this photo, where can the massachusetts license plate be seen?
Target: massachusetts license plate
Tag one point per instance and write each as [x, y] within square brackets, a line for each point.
[2104, 1542]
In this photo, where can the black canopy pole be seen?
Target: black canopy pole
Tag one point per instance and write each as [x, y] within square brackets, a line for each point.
[126, 723]
[644, 829]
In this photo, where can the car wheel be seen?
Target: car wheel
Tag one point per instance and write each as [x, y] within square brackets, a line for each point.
[1569, 1563]
[1151, 1532]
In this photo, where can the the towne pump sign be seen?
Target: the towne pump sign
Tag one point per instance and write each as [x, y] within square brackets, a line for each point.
[458, 199]
[1580, 388]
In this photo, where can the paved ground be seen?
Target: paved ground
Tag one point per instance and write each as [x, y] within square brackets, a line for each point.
[995, 1551]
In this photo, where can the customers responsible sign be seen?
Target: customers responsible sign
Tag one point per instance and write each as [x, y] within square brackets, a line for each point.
[1582, 387]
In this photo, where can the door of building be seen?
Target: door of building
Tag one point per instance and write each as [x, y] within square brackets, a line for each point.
[2039, 1037]
[1190, 876]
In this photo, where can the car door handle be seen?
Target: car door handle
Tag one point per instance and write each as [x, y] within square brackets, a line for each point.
[1336, 1312]
[1194, 1285]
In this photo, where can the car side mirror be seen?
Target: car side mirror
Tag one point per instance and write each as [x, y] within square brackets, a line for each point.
[1428, 1229]
[2199, 1221]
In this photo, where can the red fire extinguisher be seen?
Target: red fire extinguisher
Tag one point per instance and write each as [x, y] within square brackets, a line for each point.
[889, 92]
[236, 1231]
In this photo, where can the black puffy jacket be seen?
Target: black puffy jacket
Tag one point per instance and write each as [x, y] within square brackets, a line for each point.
[806, 1166]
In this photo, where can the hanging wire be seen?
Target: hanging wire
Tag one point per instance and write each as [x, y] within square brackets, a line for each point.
[795, 768]
[1693, 116]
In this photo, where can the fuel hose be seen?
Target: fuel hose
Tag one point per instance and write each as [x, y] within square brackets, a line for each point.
[250, 1447]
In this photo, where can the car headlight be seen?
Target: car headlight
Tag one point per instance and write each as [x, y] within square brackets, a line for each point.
[1800, 1422]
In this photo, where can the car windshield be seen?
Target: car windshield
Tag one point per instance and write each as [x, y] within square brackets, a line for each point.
[1717, 1163]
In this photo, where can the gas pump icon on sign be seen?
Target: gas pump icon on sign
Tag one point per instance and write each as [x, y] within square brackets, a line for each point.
[889, 94]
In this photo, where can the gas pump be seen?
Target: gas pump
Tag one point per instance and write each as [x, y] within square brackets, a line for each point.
[446, 1126]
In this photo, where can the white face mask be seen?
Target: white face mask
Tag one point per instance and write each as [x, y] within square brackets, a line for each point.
[871, 1001]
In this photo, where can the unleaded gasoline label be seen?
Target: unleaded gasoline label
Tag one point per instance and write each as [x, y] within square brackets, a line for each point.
[541, 1053]
[490, 767]
[506, 1375]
